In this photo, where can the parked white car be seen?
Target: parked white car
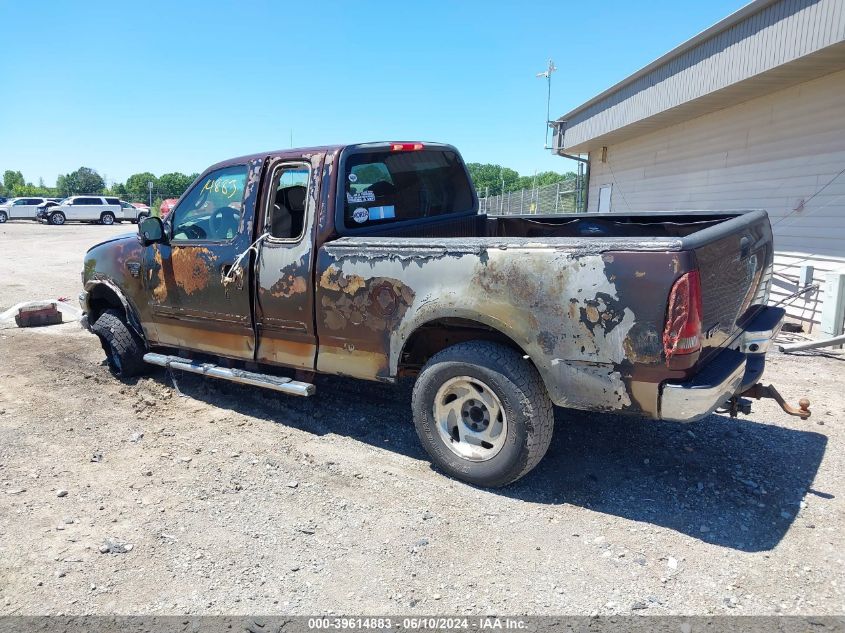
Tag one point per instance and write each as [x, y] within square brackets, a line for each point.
[86, 209]
[132, 212]
[20, 209]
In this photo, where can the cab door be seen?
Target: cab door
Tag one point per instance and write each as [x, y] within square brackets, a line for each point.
[191, 304]
[284, 271]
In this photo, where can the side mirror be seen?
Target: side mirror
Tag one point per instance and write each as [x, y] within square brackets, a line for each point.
[151, 231]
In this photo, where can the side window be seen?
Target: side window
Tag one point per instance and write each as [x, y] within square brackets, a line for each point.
[19, 202]
[112, 201]
[212, 209]
[87, 201]
[286, 209]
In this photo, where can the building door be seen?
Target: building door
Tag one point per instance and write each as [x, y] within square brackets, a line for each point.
[604, 198]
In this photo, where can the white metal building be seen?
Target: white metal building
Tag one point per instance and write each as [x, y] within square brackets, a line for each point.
[748, 114]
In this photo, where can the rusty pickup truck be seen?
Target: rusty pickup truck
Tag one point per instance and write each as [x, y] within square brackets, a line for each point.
[372, 261]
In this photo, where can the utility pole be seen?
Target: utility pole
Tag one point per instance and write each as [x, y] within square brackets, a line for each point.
[548, 75]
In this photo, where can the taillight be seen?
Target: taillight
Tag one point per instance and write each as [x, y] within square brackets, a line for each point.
[406, 147]
[682, 334]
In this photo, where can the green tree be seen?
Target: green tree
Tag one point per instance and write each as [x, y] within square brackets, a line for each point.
[118, 189]
[62, 187]
[488, 178]
[174, 184]
[13, 182]
[85, 180]
[136, 186]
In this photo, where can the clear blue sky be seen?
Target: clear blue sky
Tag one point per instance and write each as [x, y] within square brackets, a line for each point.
[125, 87]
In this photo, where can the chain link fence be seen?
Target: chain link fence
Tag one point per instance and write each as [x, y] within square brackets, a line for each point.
[562, 197]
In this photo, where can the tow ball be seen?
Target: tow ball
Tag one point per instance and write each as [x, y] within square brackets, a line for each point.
[740, 404]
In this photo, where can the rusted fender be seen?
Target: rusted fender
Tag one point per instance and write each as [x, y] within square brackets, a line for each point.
[115, 266]
[561, 307]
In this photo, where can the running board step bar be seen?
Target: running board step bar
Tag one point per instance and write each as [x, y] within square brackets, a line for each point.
[276, 383]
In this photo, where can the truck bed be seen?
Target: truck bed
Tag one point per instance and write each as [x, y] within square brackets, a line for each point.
[566, 269]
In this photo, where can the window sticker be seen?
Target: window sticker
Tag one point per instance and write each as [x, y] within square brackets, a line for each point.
[361, 196]
[360, 215]
[381, 213]
[352, 178]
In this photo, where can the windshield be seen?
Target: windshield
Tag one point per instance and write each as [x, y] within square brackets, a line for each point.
[390, 186]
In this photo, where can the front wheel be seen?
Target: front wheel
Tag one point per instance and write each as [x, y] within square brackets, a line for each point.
[482, 413]
[3, 217]
[124, 349]
[57, 218]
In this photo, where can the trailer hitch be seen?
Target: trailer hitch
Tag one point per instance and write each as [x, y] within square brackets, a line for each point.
[738, 404]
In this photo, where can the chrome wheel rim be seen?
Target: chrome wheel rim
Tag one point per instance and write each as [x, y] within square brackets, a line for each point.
[107, 219]
[58, 219]
[470, 419]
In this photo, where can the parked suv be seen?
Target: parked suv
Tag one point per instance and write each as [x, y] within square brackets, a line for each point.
[86, 209]
[20, 209]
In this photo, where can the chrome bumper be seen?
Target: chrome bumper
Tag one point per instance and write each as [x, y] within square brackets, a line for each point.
[758, 335]
[712, 387]
[724, 376]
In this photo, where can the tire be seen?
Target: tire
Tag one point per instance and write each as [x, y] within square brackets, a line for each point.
[124, 349]
[3, 217]
[484, 378]
[57, 218]
[107, 218]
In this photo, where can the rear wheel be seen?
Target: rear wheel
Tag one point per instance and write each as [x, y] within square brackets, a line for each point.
[57, 218]
[482, 413]
[124, 349]
[107, 218]
[3, 217]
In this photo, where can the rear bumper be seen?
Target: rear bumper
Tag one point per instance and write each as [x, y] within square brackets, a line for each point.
[730, 373]
[714, 385]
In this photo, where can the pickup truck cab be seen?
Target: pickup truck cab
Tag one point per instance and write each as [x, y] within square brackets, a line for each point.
[372, 261]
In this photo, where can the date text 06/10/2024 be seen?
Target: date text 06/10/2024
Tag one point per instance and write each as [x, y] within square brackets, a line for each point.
[416, 623]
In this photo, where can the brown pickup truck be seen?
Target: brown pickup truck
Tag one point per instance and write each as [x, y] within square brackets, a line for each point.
[372, 261]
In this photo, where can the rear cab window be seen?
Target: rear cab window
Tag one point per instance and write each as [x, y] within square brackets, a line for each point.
[403, 182]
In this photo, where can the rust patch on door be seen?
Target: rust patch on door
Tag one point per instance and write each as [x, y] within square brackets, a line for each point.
[288, 285]
[192, 268]
[160, 289]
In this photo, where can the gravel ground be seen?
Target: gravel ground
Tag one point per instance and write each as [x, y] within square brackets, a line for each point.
[129, 499]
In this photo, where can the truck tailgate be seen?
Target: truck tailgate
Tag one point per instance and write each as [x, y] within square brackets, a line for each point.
[735, 266]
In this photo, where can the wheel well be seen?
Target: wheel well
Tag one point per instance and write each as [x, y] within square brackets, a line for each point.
[437, 335]
[100, 299]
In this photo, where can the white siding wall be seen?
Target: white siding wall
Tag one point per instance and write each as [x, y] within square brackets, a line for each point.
[769, 153]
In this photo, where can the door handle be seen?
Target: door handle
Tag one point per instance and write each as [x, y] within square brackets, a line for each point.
[229, 273]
